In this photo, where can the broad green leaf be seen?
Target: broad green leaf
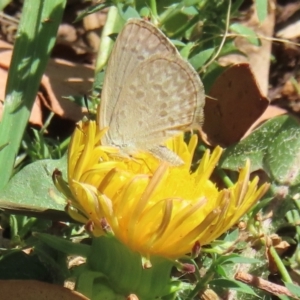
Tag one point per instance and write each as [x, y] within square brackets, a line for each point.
[283, 297]
[246, 32]
[178, 44]
[282, 157]
[4, 3]
[234, 285]
[235, 7]
[261, 9]
[230, 48]
[63, 245]
[32, 189]
[36, 36]
[273, 147]
[232, 236]
[190, 11]
[177, 26]
[127, 12]
[186, 50]
[188, 3]
[145, 12]
[295, 289]
[198, 60]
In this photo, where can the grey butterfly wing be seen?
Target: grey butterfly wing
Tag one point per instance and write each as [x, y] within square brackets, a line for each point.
[137, 41]
[160, 98]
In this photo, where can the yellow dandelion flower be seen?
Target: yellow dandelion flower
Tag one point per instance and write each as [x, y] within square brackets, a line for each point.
[150, 206]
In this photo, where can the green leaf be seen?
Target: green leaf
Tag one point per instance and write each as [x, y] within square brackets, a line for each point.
[92, 9]
[178, 44]
[237, 259]
[232, 236]
[235, 7]
[18, 265]
[246, 32]
[188, 3]
[283, 297]
[64, 245]
[273, 147]
[198, 60]
[261, 204]
[4, 3]
[214, 70]
[34, 42]
[230, 48]
[32, 190]
[78, 99]
[190, 11]
[234, 285]
[127, 12]
[261, 9]
[220, 270]
[295, 289]
[114, 23]
[282, 158]
[186, 50]
[145, 12]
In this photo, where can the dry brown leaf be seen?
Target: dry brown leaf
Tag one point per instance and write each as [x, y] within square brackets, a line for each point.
[291, 31]
[285, 11]
[288, 89]
[36, 290]
[239, 103]
[91, 22]
[5, 56]
[259, 57]
[275, 239]
[132, 297]
[66, 33]
[36, 115]
[280, 245]
[209, 294]
[62, 78]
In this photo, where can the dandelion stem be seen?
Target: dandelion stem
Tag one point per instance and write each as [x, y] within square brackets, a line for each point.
[153, 8]
[225, 178]
[281, 268]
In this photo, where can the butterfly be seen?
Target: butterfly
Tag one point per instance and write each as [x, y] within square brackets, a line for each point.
[150, 93]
